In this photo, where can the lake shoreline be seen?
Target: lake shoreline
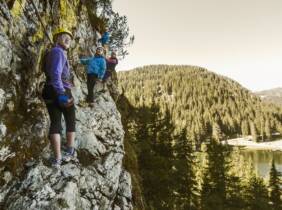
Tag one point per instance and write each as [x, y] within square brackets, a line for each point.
[246, 142]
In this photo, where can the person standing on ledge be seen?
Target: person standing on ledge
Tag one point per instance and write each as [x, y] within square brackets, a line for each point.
[105, 41]
[111, 66]
[96, 68]
[57, 95]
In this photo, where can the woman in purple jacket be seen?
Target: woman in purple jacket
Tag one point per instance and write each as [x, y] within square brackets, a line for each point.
[57, 96]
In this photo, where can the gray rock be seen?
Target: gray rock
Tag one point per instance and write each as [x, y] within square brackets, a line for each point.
[124, 188]
[95, 180]
[3, 130]
[34, 179]
[4, 190]
[85, 204]
[5, 153]
[97, 186]
[117, 207]
[2, 99]
[11, 106]
[5, 53]
[90, 143]
[69, 198]
[71, 171]
[7, 176]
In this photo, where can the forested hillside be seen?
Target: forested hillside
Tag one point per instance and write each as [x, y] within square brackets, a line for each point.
[202, 102]
[165, 111]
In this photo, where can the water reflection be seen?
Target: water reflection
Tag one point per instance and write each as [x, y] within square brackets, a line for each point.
[261, 160]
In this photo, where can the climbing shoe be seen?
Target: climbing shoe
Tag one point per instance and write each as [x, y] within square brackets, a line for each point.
[56, 163]
[69, 154]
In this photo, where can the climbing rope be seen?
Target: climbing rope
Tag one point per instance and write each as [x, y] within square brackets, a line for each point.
[40, 20]
[38, 16]
[26, 13]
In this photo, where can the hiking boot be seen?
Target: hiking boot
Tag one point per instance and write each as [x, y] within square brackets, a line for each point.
[69, 155]
[56, 163]
[90, 102]
[91, 105]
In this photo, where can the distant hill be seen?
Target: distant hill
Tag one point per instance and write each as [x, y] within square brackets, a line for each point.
[167, 112]
[272, 95]
[206, 104]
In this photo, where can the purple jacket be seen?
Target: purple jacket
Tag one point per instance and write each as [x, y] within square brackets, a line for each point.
[58, 71]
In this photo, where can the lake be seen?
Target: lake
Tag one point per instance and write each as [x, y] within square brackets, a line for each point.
[261, 160]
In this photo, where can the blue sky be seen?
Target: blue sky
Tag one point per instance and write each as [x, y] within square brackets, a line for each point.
[241, 39]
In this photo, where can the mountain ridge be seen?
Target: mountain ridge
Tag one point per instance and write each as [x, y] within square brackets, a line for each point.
[273, 95]
[206, 103]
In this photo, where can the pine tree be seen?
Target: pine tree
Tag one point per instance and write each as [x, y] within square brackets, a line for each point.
[164, 153]
[234, 193]
[257, 194]
[156, 158]
[268, 130]
[262, 129]
[254, 132]
[274, 185]
[216, 132]
[213, 194]
[146, 156]
[185, 179]
[245, 128]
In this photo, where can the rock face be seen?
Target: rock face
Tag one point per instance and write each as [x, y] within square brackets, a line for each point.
[96, 178]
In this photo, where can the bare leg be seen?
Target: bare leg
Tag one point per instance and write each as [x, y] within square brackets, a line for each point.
[70, 139]
[56, 144]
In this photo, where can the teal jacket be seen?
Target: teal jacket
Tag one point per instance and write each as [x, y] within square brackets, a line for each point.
[95, 65]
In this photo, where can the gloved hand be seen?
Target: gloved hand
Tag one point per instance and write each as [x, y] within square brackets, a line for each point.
[65, 101]
[81, 60]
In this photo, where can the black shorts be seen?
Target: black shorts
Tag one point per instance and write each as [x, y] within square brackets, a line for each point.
[56, 111]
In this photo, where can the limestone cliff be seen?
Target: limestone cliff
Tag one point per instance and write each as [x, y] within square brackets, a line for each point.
[97, 179]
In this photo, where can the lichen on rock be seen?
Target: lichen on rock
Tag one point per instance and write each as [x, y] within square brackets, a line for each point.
[67, 15]
[17, 8]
